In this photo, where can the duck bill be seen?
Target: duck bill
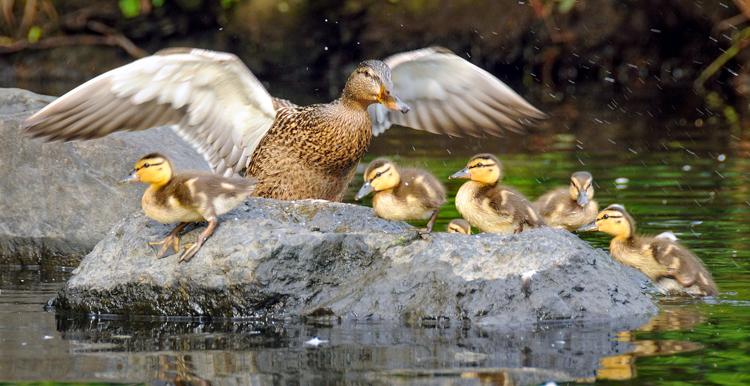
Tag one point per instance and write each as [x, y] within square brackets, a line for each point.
[583, 200]
[461, 174]
[132, 177]
[363, 191]
[588, 228]
[389, 99]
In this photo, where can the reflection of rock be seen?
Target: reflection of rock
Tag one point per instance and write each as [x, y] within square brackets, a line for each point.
[329, 260]
[239, 352]
[60, 199]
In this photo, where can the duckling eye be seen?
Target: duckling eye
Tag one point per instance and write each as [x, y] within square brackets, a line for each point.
[479, 165]
[606, 216]
[146, 165]
[378, 174]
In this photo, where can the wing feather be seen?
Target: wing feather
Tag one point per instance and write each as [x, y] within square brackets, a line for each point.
[210, 98]
[449, 95]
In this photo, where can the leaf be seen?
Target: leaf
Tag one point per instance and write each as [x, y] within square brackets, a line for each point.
[130, 8]
[566, 5]
[35, 33]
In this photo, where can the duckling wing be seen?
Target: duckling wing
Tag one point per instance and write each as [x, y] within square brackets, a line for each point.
[211, 99]
[448, 95]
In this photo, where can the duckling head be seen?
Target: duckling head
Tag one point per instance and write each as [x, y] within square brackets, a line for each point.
[581, 187]
[153, 168]
[371, 83]
[483, 168]
[459, 225]
[381, 174]
[613, 220]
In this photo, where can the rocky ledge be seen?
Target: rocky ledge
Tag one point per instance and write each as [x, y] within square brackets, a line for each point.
[316, 259]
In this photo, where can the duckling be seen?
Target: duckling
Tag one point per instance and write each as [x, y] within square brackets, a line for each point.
[672, 268]
[569, 208]
[488, 206]
[213, 101]
[185, 197]
[459, 225]
[403, 194]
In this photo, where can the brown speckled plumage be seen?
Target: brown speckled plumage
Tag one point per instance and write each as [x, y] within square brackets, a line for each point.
[311, 152]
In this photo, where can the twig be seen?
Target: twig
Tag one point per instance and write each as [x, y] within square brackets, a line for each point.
[75, 40]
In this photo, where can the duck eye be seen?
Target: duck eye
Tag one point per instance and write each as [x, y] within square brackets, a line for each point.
[606, 216]
[368, 73]
[146, 165]
[479, 165]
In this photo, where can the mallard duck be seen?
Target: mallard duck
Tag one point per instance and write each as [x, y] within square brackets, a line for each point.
[216, 104]
[185, 197]
[403, 194]
[489, 206]
[459, 225]
[672, 268]
[569, 208]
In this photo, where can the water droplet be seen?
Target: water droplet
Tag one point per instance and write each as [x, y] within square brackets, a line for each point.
[686, 168]
[721, 157]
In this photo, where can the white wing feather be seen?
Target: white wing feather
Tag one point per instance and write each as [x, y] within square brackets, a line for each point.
[210, 98]
[449, 95]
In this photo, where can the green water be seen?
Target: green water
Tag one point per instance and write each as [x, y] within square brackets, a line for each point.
[702, 195]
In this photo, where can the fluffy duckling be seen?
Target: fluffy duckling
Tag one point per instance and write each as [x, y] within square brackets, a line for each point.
[185, 197]
[569, 208]
[672, 268]
[403, 194]
[459, 225]
[489, 206]
[213, 101]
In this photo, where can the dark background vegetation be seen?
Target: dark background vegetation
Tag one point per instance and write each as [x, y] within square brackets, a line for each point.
[653, 51]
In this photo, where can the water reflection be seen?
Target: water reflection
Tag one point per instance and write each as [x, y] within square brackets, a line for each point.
[670, 318]
[254, 352]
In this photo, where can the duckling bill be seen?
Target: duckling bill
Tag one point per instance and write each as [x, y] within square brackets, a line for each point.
[489, 206]
[403, 194]
[185, 197]
[672, 267]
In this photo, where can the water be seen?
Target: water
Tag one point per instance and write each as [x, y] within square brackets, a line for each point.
[683, 177]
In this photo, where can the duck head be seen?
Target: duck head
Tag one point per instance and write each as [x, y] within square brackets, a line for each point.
[371, 83]
[153, 168]
[613, 220]
[483, 168]
[381, 174]
[581, 187]
[459, 226]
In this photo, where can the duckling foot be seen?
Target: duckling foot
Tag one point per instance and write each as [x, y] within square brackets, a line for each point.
[171, 240]
[192, 249]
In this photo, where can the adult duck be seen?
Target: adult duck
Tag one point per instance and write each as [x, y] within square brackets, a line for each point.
[216, 104]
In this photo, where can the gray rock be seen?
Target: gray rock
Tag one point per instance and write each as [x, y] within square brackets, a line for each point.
[324, 261]
[57, 200]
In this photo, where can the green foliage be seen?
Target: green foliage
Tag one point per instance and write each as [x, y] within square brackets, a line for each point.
[130, 8]
[566, 5]
[226, 4]
[35, 33]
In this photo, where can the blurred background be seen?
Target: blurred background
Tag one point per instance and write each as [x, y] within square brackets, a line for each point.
[685, 59]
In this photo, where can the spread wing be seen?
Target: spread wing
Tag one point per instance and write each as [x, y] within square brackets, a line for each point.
[211, 100]
[448, 95]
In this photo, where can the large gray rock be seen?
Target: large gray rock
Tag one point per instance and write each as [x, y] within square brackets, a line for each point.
[57, 200]
[318, 259]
